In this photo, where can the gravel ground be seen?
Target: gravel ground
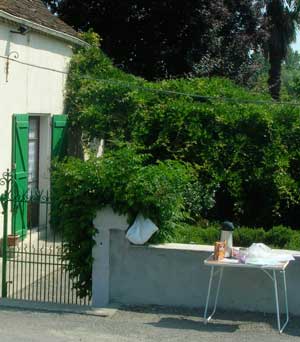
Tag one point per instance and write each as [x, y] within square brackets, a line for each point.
[141, 324]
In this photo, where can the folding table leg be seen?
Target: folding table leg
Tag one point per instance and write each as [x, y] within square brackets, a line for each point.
[208, 293]
[212, 273]
[281, 328]
[276, 299]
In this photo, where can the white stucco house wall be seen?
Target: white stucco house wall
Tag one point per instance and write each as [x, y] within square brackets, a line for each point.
[35, 50]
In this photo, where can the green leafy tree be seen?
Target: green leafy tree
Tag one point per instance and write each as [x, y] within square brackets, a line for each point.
[292, 60]
[161, 39]
[51, 4]
[282, 21]
[291, 75]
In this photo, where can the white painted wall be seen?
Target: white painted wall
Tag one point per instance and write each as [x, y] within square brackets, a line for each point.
[175, 275]
[105, 221]
[30, 89]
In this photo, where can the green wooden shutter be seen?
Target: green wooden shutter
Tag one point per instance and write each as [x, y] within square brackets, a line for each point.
[20, 166]
[59, 136]
[58, 150]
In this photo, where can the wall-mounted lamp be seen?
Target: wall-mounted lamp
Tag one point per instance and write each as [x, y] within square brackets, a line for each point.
[13, 54]
[22, 30]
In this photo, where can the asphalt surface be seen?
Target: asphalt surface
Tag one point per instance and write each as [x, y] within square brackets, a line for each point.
[141, 324]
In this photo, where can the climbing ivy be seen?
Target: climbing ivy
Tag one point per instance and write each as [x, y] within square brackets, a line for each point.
[124, 180]
[224, 154]
[244, 150]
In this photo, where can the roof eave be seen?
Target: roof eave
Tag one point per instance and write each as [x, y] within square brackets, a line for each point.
[61, 35]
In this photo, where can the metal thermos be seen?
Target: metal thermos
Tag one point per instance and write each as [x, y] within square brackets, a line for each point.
[227, 236]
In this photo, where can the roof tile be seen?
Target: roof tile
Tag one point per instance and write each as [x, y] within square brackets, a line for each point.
[36, 12]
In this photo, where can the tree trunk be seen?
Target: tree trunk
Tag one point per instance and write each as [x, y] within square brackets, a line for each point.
[275, 74]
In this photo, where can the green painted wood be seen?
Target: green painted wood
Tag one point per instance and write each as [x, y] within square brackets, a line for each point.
[59, 136]
[58, 151]
[20, 166]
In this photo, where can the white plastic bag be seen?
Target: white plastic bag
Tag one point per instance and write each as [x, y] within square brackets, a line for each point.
[259, 250]
[141, 230]
[260, 254]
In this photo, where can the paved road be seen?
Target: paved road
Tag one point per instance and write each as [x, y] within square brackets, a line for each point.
[139, 324]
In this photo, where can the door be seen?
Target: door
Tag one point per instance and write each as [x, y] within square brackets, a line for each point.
[33, 171]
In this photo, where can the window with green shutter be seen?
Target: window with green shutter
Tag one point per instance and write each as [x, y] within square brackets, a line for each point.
[20, 164]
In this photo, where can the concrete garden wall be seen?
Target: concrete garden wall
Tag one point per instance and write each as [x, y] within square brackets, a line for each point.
[174, 275]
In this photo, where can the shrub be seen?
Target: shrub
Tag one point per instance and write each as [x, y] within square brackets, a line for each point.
[199, 199]
[123, 180]
[210, 235]
[194, 234]
[280, 236]
[277, 237]
[244, 236]
[294, 243]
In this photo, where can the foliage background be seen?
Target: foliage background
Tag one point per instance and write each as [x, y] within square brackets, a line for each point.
[185, 152]
[163, 39]
[245, 151]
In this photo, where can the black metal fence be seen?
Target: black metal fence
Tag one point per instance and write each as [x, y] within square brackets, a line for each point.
[33, 263]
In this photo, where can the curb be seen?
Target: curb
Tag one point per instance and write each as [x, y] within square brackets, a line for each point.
[58, 308]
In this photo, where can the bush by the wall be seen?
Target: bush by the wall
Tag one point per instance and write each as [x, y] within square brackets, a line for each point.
[245, 236]
[278, 237]
[121, 179]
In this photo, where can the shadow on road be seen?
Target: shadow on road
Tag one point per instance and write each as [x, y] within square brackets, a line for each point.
[183, 323]
[224, 321]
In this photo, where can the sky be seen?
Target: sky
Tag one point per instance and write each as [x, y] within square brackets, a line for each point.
[296, 46]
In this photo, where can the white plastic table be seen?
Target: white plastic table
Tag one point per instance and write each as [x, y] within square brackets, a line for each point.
[270, 270]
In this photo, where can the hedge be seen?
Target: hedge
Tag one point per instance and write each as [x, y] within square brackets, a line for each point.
[277, 237]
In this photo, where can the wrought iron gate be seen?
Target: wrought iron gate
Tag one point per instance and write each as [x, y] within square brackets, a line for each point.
[33, 263]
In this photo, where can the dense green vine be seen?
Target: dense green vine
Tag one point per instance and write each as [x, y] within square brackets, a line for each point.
[247, 152]
[124, 180]
[182, 157]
